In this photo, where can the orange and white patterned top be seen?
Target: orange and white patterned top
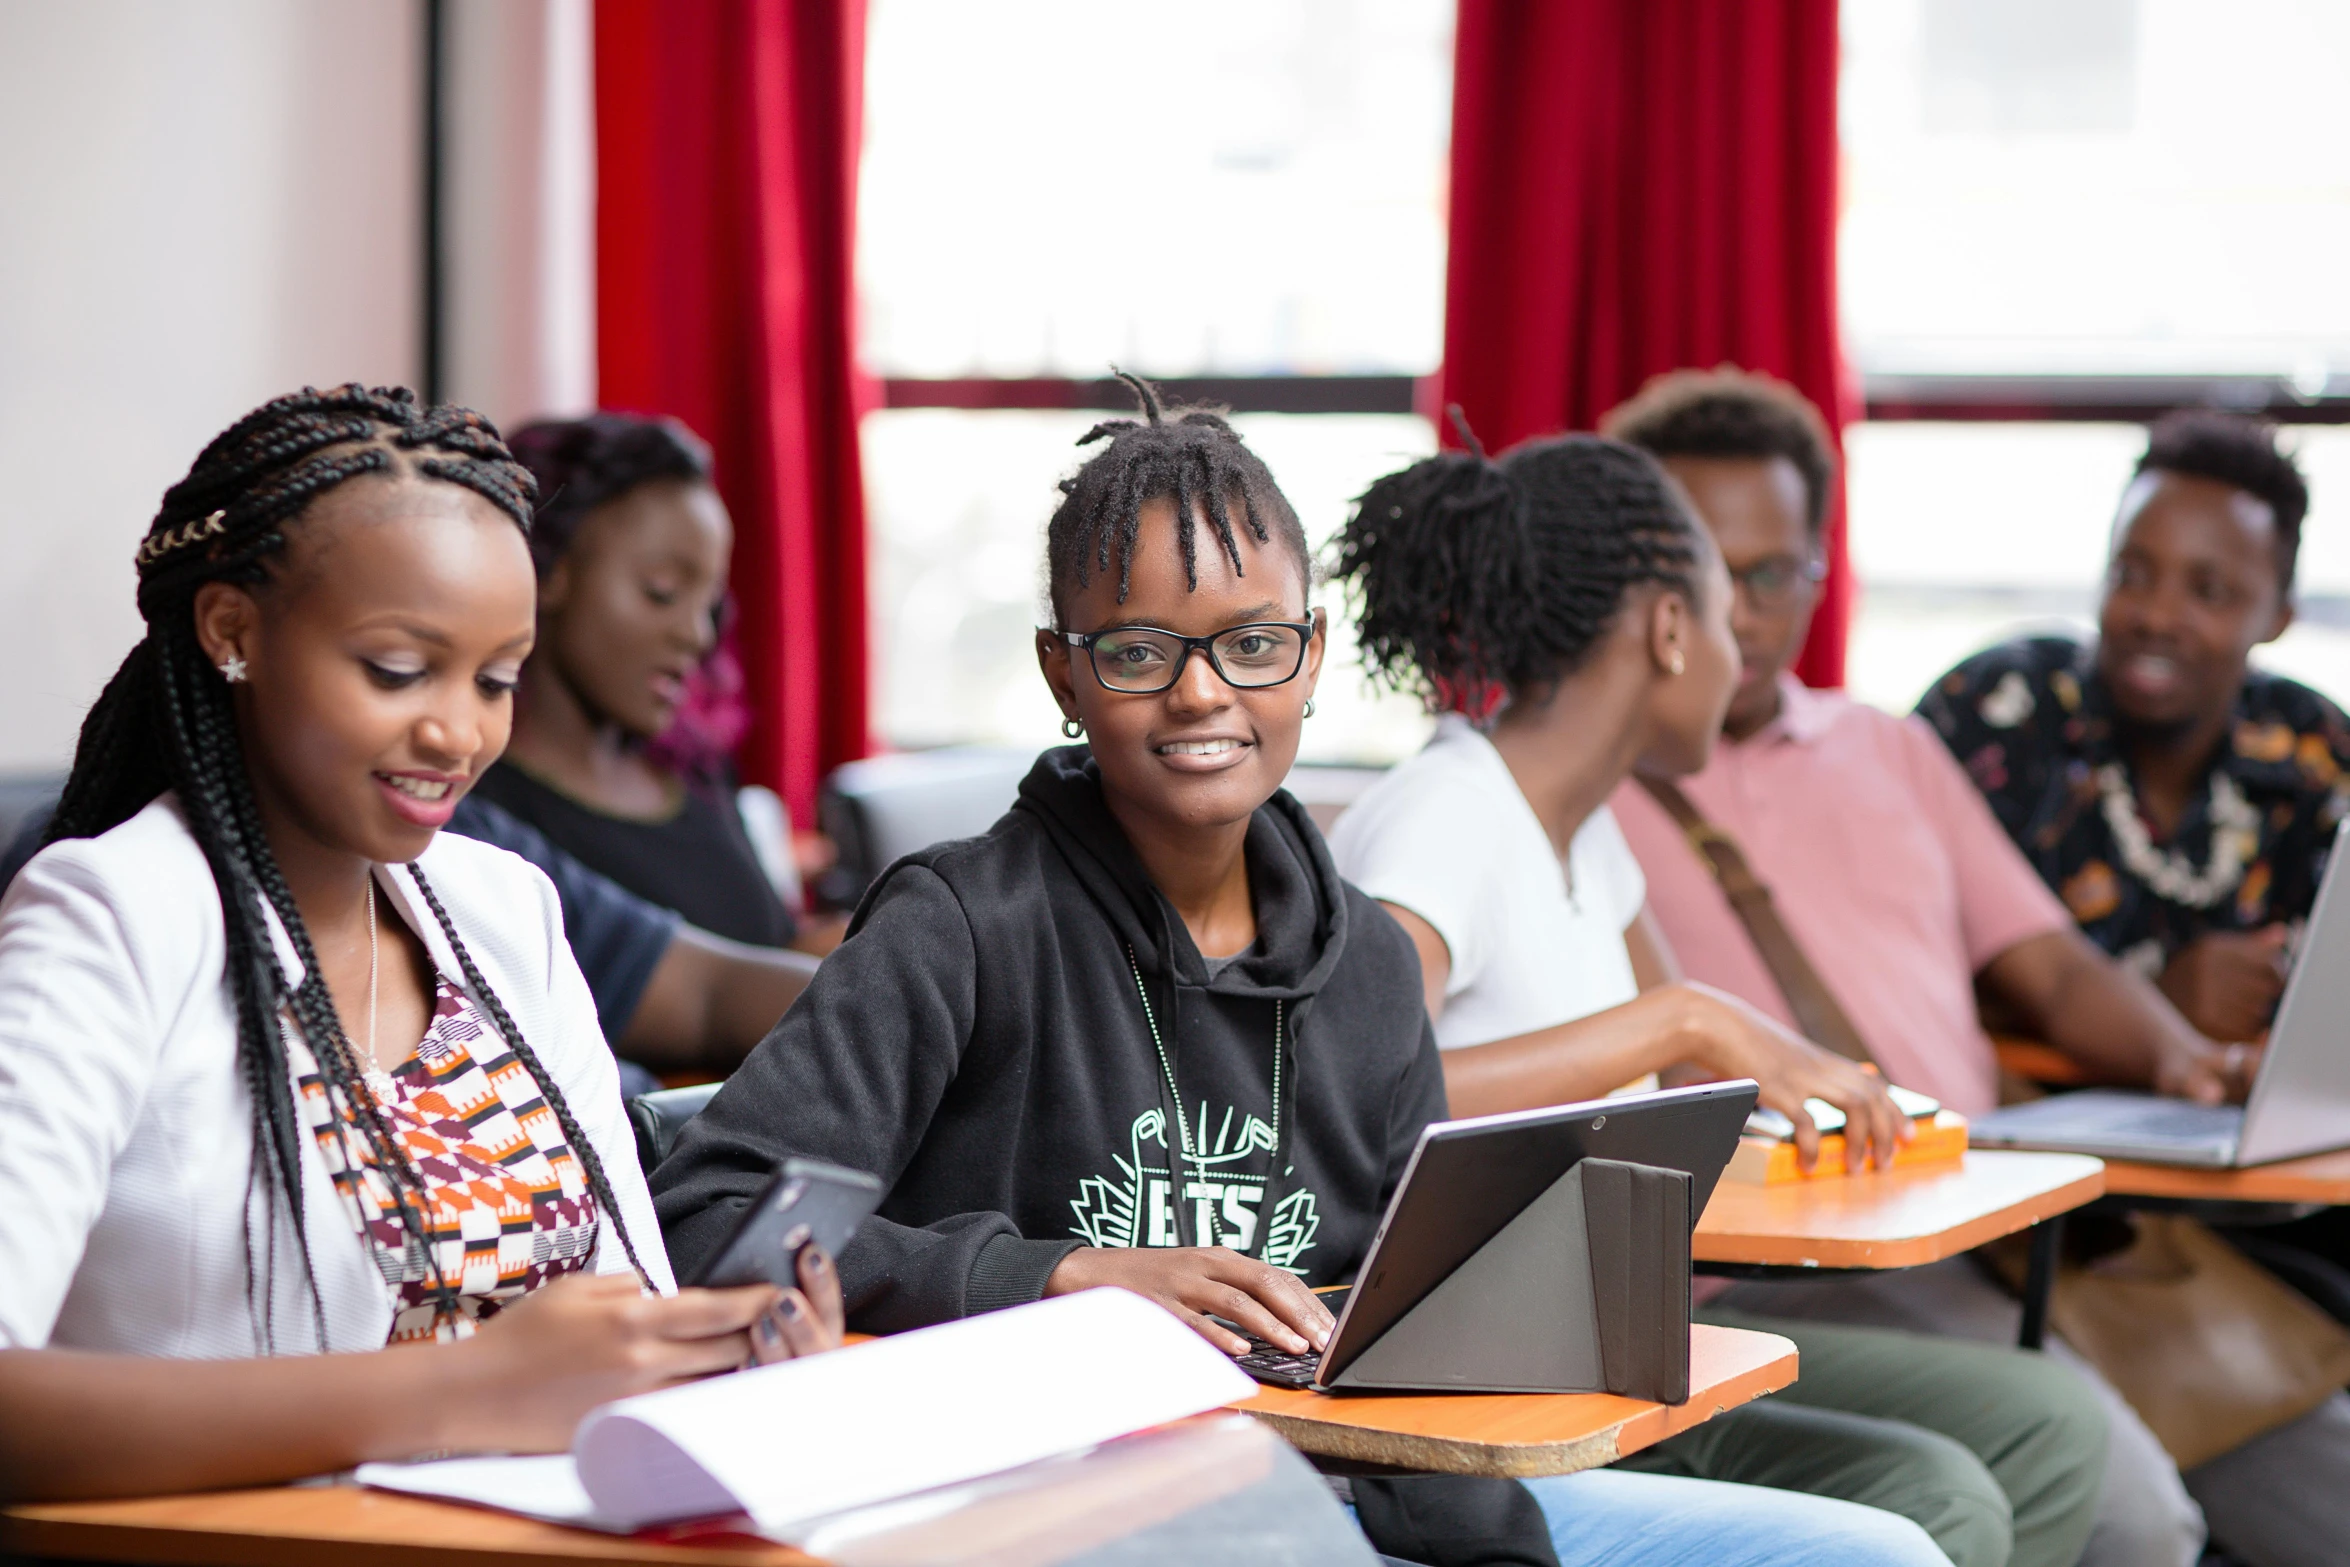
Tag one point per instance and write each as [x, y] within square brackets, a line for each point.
[507, 1206]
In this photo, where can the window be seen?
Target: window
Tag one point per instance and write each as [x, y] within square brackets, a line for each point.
[1251, 193]
[2063, 216]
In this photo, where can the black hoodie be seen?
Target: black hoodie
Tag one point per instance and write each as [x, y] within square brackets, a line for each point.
[979, 1043]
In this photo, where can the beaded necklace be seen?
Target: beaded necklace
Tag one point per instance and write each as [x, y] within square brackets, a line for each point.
[2235, 835]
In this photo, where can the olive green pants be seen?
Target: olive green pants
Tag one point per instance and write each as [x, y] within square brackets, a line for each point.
[1996, 1453]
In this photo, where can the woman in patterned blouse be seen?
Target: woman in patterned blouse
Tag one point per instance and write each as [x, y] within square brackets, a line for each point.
[284, 1070]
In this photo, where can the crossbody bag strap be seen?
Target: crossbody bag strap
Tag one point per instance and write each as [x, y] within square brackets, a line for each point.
[1808, 997]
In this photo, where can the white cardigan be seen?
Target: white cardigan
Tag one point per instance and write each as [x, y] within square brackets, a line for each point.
[126, 1130]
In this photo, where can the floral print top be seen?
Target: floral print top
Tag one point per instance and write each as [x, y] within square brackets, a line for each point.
[2031, 722]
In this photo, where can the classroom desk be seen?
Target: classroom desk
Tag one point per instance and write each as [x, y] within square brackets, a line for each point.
[1903, 1217]
[1215, 1488]
[1522, 1435]
[2319, 1178]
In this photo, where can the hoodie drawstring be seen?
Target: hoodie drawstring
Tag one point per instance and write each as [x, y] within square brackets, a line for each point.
[1184, 1146]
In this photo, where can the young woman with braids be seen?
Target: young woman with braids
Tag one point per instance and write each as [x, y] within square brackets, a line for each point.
[1567, 597]
[285, 1071]
[1140, 1033]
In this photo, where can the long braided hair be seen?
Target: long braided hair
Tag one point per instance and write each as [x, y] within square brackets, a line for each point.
[165, 722]
[1182, 454]
[1479, 579]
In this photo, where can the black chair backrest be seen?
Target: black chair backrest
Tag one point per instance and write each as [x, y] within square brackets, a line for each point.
[658, 1119]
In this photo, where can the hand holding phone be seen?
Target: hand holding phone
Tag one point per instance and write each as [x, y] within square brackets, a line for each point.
[809, 1202]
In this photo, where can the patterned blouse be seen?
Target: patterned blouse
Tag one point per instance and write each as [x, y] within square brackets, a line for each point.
[507, 1207]
[2031, 722]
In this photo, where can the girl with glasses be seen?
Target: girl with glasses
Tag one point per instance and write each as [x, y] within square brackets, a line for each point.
[1140, 1033]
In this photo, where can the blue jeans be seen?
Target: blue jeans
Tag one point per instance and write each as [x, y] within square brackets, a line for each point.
[1612, 1518]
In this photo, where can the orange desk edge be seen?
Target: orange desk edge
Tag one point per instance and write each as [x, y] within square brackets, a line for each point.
[1523, 1435]
[1896, 1218]
[299, 1526]
[2320, 1177]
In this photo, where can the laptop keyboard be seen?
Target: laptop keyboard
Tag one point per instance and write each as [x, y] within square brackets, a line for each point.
[1269, 1363]
[2172, 1119]
[1276, 1366]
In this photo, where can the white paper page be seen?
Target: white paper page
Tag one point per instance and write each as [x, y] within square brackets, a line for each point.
[909, 1413]
[545, 1487]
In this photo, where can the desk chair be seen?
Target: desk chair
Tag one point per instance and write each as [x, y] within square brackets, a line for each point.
[658, 1118]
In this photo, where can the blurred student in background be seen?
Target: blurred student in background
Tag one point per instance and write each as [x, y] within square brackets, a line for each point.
[1566, 590]
[2178, 800]
[629, 709]
[1891, 877]
[246, 983]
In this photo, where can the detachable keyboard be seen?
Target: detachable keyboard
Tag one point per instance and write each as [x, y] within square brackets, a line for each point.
[1275, 1366]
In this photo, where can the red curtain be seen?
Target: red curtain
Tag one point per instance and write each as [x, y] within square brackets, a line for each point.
[726, 146]
[1641, 186]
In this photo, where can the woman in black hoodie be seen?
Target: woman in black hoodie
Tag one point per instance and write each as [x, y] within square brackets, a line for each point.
[1140, 1033]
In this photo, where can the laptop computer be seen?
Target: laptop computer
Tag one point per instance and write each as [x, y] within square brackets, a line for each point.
[2300, 1101]
[1468, 1179]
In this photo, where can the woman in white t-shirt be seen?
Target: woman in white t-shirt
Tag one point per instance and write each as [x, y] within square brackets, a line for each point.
[1567, 592]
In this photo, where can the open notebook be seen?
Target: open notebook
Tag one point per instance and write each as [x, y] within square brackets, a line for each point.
[792, 1443]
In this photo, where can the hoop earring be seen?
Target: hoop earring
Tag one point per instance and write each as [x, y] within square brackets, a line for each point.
[1072, 727]
[233, 670]
[1676, 663]
[1309, 707]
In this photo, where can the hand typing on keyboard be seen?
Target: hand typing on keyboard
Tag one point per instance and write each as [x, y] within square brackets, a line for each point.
[1200, 1283]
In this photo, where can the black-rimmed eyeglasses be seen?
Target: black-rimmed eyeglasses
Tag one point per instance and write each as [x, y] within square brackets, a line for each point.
[1138, 660]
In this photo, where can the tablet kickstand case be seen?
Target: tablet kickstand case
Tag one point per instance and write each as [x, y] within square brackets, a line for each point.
[1585, 1291]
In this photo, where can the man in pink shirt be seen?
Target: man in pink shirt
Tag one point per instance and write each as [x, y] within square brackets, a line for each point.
[1891, 874]
[1882, 859]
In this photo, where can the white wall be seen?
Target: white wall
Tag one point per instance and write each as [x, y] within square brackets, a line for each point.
[201, 206]
[521, 208]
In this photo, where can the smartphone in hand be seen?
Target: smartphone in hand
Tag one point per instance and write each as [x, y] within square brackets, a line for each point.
[809, 1202]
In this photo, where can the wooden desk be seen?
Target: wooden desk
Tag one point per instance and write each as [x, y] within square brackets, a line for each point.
[1521, 1435]
[2322, 1178]
[298, 1526]
[1893, 1218]
[1208, 1489]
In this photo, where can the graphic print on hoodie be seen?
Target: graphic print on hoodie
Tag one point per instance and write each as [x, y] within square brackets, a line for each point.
[978, 1042]
[1223, 1201]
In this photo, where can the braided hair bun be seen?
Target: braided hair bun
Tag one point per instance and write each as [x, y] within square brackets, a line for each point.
[1480, 578]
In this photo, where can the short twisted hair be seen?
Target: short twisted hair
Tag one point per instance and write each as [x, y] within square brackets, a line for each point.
[1185, 455]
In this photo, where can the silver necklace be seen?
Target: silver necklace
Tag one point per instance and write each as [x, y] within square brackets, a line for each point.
[1198, 1157]
[379, 1081]
[2235, 837]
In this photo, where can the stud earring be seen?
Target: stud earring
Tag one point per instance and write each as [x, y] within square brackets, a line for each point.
[1309, 707]
[1676, 663]
[233, 671]
[1072, 727]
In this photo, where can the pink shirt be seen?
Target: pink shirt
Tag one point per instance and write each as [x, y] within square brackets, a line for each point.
[1886, 865]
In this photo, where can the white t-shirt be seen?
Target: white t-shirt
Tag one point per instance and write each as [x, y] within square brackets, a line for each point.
[1534, 943]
